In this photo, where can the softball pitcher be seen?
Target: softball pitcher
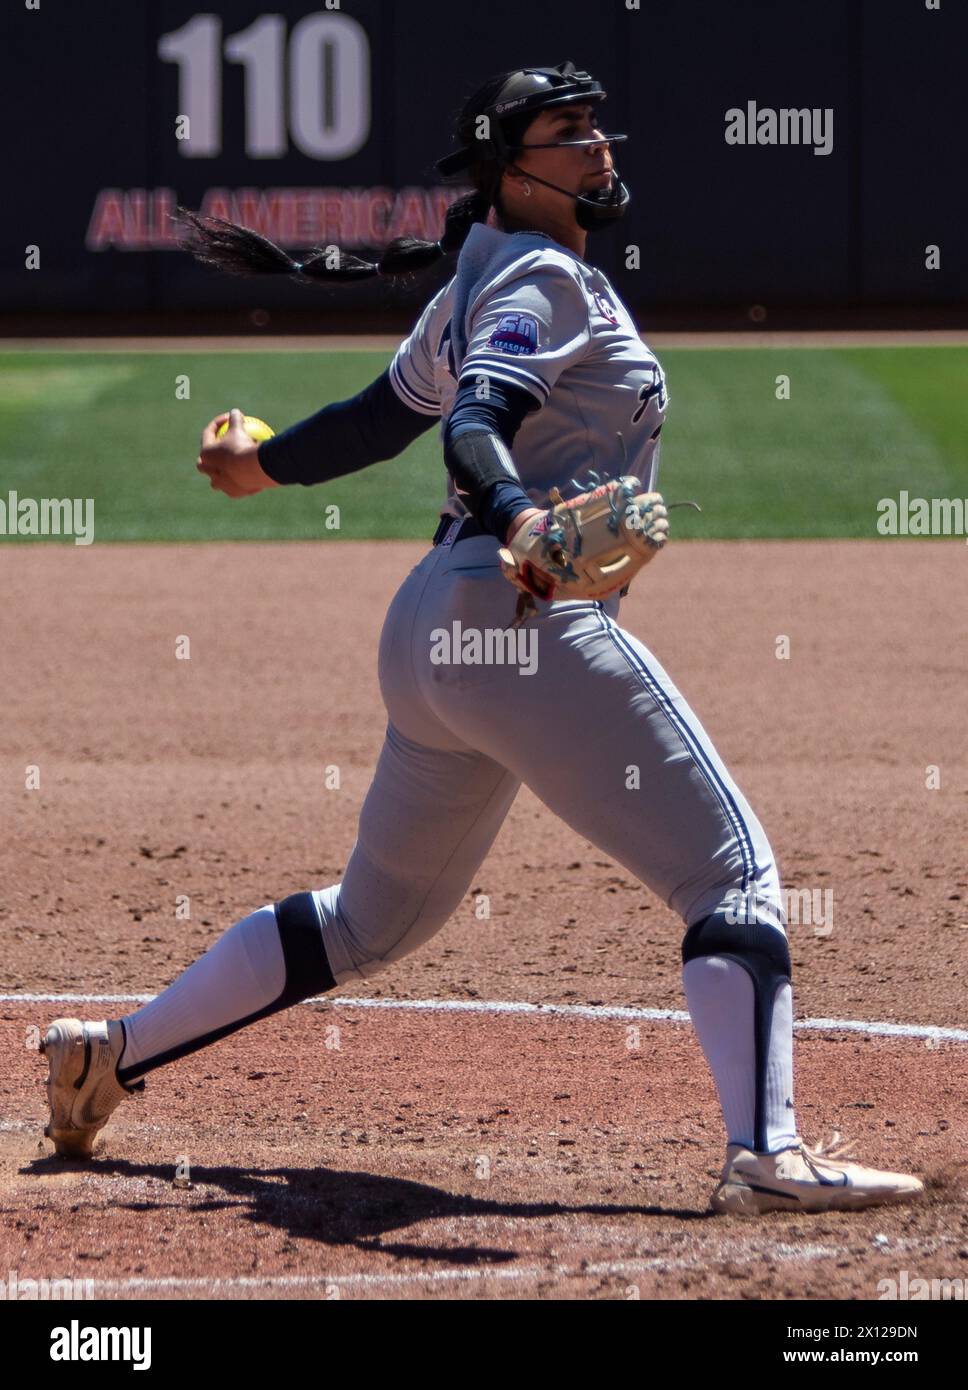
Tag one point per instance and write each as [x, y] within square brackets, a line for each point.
[550, 410]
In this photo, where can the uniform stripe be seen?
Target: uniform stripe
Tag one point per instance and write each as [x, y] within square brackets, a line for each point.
[484, 362]
[506, 371]
[418, 392]
[410, 397]
[719, 789]
[509, 380]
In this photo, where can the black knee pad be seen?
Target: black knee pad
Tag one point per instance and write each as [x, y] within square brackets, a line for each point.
[765, 956]
[761, 950]
[307, 973]
[307, 967]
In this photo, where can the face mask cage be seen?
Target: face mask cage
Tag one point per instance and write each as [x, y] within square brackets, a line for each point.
[561, 144]
[506, 139]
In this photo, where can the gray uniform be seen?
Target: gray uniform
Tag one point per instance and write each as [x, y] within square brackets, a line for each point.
[526, 311]
[572, 704]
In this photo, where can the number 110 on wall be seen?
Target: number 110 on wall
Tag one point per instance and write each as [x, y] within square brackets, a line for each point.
[326, 62]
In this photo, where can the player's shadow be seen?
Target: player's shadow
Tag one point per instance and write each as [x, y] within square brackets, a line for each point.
[339, 1207]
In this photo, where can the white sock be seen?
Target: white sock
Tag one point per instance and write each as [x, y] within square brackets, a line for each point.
[781, 1120]
[242, 973]
[720, 996]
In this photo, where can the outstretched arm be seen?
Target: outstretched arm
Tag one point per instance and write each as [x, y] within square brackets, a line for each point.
[341, 438]
[344, 437]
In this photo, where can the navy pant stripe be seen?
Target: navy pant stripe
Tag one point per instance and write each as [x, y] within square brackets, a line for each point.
[720, 791]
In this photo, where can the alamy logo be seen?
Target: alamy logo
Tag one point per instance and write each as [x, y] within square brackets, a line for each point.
[489, 646]
[764, 125]
[48, 516]
[14, 1289]
[922, 516]
[77, 1343]
[915, 1290]
[801, 907]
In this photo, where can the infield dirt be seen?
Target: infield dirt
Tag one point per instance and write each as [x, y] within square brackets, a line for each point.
[485, 1154]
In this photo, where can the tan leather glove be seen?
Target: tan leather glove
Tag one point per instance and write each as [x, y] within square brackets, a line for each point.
[588, 547]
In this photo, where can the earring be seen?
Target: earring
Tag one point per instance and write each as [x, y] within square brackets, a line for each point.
[526, 189]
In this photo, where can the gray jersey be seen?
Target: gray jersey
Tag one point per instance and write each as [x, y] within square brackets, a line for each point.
[524, 310]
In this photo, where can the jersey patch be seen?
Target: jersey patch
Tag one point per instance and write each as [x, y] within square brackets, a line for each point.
[516, 334]
[606, 309]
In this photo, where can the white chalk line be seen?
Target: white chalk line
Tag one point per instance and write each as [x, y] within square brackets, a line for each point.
[870, 1027]
[726, 1252]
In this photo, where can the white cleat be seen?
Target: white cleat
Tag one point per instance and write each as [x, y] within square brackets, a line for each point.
[806, 1180]
[83, 1089]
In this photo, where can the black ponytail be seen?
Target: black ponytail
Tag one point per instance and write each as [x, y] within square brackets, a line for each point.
[407, 253]
[239, 251]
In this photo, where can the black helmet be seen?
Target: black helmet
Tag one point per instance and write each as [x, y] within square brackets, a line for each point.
[509, 102]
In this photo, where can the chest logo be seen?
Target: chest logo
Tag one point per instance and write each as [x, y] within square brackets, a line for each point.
[516, 334]
[605, 308]
[653, 386]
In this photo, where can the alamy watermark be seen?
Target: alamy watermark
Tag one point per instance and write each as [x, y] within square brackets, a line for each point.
[921, 516]
[765, 125]
[77, 1343]
[48, 516]
[489, 646]
[809, 907]
[908, 1289]
[14, 1288]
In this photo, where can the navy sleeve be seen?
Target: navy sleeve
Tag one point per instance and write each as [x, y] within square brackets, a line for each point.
[493, 497]
[500, 504]
[344, 437]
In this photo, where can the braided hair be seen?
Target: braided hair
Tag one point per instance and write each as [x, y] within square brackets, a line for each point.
[226, 246]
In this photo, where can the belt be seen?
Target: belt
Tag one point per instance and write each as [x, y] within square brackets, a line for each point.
[469, 527]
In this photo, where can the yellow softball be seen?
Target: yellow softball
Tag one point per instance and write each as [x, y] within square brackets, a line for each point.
[254, 427]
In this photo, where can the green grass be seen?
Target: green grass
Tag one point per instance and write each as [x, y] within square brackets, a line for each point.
[860, 424]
